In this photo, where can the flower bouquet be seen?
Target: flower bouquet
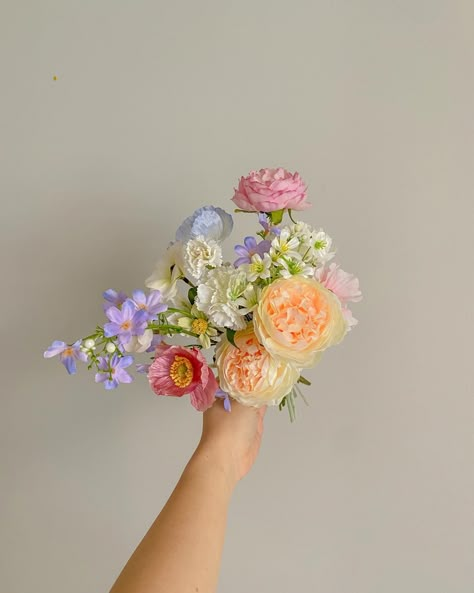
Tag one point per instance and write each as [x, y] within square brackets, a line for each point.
[248, 328]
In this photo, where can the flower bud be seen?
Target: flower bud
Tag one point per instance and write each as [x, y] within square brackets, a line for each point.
[89, 343]
[110, 347]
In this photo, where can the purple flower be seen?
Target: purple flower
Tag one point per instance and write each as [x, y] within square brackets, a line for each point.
[113, 371]
[125, 322]
[143, 368]
[268, 227]
[114, 298]
[68, 354]
[225, 396]
[152, 303]
[249, 248]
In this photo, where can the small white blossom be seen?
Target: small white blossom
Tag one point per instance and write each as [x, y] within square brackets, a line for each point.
[294, 267]
[218, 296]
[314, 245]
[249, 299]
[199, 253]
[259, 267]
[322, 247]
[286, 245]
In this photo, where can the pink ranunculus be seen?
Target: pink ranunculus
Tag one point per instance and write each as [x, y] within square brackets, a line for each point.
[177, 371]
[268, 190]
[344, 285]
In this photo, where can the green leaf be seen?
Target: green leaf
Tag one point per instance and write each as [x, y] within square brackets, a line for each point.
[282, 404]
[276, 216]
[230, 333]
[303, 380]
[192, 293]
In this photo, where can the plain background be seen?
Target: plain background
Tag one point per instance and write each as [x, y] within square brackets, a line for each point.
[158, 108]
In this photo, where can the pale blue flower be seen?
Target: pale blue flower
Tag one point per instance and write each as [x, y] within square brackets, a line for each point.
[209, 222]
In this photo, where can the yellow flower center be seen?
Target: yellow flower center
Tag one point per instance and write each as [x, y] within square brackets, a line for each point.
[181, 371]
[199, 326]
[126, 325]
[68, 352]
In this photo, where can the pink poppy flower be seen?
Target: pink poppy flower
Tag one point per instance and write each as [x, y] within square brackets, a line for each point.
[177, 371]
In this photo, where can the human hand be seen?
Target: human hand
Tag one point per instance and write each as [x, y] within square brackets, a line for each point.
[232, 439]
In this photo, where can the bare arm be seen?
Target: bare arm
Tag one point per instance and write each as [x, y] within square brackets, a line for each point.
[181, 552]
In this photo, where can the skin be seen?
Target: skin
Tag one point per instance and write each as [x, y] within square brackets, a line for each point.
[182, 550]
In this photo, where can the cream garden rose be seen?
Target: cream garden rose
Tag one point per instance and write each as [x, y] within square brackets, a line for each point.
[297, 318]
[250, 374]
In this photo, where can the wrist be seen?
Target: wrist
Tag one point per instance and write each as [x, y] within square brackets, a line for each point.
[209, 460]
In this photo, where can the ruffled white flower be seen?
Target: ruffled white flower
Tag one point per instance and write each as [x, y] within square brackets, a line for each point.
[199, 253]
[259, 267]
[167, 272]
[139, 343]
[218, 296]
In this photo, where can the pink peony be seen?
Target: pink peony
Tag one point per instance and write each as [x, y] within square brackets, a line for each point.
[268, 190]
[344, 285]
[177, 371]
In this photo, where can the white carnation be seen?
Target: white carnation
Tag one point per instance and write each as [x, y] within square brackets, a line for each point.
[218, 296]
[199, 253]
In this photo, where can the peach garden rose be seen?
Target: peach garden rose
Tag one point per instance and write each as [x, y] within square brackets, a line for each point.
[297, 318]
[249, 374]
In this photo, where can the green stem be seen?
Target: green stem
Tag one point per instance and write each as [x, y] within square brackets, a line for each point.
[175, 328]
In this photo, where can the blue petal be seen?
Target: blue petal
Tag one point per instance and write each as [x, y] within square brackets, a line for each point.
[56, 348]
[111, 329]
[80, 355]
[139, 297]
[250, 243]
[123, 376]
[128, 309]
[111, 384]
[101, 377]
[114, 360]
[70, 364]
[114, 314]
[241, 250]
[125, 362]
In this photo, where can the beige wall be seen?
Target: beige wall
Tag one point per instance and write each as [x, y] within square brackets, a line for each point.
[158, 108]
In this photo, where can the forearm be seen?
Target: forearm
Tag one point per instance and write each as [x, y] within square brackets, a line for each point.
[182, 550]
